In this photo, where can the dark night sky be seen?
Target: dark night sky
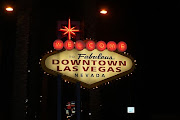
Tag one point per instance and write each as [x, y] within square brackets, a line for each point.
[151, 31]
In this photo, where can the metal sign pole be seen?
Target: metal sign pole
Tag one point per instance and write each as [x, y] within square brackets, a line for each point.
[78, 100]
[59, 97]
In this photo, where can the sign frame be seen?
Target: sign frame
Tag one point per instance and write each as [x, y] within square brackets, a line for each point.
[65, 77]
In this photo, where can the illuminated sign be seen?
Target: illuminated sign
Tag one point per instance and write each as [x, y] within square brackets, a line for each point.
[90, 66]
[68, 30]
[87, 62]
[130, 109]
[70, 109]
[90, 45]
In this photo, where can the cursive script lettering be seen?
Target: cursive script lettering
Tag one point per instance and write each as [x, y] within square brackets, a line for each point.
[91, 56]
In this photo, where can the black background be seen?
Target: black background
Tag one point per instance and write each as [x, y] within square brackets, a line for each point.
[151, 31]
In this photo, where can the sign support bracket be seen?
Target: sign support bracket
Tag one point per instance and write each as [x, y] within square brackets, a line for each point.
[59, 94]
[78, 100]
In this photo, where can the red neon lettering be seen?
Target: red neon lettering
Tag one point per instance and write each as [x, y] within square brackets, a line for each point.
[121, 63]
[102, 69]
[110, 69]
[93, 69]
[112, 46]
[94, 61]
[122, 46]
[58, 68]
[67, 68]
[69, 44]
[100, 62]
[85, 69]
[65, 62]
[118, 69]
[90, 45]
[55, 61]
[112, 63]
[75, 62]
[79, 45]
[101, 45]
[86, 62]
[75, 68]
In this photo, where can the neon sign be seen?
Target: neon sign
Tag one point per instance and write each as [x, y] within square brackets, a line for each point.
[90, 68]
[90, 63]
[90, 45]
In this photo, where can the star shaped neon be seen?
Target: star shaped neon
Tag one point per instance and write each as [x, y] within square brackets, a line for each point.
[68, 30]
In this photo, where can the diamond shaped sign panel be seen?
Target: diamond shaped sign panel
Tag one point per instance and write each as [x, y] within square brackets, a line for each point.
[90, 68]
